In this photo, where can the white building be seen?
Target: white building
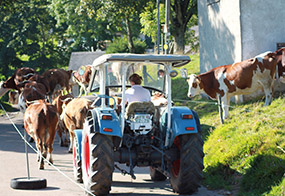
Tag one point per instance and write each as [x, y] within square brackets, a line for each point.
[234, 30]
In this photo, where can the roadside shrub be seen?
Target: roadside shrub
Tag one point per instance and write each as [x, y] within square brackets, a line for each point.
[120, 45]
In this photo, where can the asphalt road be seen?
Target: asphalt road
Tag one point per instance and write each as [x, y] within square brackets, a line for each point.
[60, 177]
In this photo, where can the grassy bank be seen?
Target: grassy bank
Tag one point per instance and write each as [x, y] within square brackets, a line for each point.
[246, 154]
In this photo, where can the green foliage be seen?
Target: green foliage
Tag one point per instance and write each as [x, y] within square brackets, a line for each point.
[148, 20]
[6, 106]
[120, 45]
[180, 92]
[27, 29]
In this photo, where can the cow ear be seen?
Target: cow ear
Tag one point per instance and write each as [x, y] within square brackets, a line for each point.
[198, 79]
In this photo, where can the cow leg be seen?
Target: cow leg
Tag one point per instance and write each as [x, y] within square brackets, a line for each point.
[41, 153]
[80, 91]
[85, 90]
[268, 96]
[71, 137]
[66, 137]
[60, 129]
[50, 140]
[38, 146]
[225, 105]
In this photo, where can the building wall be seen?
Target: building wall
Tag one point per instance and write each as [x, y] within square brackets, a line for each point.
[219, 33]
[262, 26]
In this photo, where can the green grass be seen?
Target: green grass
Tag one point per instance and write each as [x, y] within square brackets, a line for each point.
[7, 106]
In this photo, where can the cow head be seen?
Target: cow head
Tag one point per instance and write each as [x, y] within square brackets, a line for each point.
[158, 99]
[194, 85]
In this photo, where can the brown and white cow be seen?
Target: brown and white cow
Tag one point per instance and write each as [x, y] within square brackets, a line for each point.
[73, 116]
[40, 122]
[15, 81]
[58, 79]
[236, 79]
[82, 78]
[18, 77]
[158, 99]
[58, 103]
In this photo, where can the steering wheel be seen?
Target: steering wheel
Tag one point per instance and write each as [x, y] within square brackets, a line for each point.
[103, 97]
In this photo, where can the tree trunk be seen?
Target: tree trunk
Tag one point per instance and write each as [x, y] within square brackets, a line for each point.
[179, 40]
[130, 36]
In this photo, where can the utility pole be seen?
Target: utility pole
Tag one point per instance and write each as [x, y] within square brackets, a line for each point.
[158, 26]
[166, 27]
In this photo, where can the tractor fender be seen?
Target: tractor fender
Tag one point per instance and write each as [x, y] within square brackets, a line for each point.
[107, 126]
[78, 137]
[180, 125]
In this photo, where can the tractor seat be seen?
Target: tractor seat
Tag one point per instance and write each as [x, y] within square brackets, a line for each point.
[139, 107]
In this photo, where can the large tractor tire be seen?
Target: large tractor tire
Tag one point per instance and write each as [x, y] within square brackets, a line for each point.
[97, 162]
[77, 169]
[156, 175]
[186, 172]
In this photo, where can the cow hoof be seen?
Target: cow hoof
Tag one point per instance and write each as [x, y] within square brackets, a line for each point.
[69, 151]
[42, 167]
[63, 144]
[31, 140]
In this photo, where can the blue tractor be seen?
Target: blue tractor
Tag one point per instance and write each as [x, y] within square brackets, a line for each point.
[158, 135]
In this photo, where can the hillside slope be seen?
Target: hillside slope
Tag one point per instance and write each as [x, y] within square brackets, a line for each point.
[245, 155]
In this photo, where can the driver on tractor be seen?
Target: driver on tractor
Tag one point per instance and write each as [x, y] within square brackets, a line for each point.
[137, 92]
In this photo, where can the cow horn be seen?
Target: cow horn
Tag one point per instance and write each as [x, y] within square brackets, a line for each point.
[31, 102]
[66, 99]
[27, 75]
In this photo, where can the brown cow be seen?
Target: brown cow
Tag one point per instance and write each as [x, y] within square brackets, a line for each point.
[32, 91]
[13, 97]
[73, 116]
[41, 79]
[235, 79]
[58, 79]
[40, 122]
[58, 103]
[82, 78]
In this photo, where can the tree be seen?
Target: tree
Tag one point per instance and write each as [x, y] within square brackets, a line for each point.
[28, 36]
[182, 11]
[82, 31]
[122, 15]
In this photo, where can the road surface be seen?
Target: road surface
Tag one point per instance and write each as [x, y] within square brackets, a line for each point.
[60, 178]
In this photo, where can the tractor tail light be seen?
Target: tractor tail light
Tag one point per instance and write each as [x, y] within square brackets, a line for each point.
[189, 128]
[108, 130]
[107, 117]
[187, 116]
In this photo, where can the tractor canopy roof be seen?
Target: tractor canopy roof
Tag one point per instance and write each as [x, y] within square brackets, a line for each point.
[174, 60]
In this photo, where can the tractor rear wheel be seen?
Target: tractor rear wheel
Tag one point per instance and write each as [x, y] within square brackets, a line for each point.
[97, 162]
[186, 172]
